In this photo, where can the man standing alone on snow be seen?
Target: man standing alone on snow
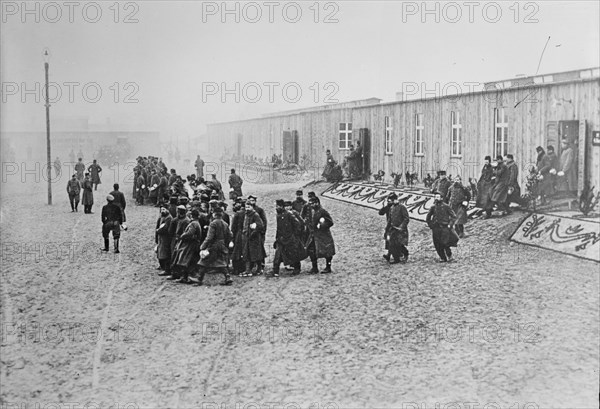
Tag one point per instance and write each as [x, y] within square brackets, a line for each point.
[112, 217]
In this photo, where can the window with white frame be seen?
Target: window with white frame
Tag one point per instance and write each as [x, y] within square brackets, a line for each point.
[419, 134]
[456, 134]
[345, 135]
[388, 136]
[501, 132]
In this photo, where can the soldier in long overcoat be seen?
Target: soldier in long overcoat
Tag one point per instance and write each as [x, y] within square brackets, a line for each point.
[485, 184]
[188, 248]
[440, 220]
[215, 248]
[441, 184]
[253, 248]
[163, 241]
[87, 199]
[500, 190]
[320, 241]
[80, 169]
[178, 226]
[237, 226]
[235, 185]
[458, 200]
[153, 188]
[514, 189]
[396, 231]
[95, 170]
[288, 245]
[73, 190]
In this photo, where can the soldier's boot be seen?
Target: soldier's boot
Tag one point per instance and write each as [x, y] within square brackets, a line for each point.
[315, 267]
[105, 245]
[228, 280]
[116, 246]
[327, 267]
[275, 272]
[296, 269]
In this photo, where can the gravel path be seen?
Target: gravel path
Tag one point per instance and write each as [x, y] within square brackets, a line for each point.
[506, 324]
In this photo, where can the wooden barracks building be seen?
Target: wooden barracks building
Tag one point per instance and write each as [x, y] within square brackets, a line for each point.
[452, 132]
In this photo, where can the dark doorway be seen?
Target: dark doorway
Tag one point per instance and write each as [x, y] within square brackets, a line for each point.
[290, 147]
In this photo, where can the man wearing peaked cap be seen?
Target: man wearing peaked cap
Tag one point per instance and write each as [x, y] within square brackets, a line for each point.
[263, 217]
[112, 217]
[396, 230]
[299, 202]
[441, 185]
[288, 246]
[320, 241]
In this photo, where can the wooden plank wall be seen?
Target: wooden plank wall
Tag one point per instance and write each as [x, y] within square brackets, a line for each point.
[318, 130]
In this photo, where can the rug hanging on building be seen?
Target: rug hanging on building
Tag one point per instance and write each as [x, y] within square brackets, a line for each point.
[567, 235]
[373, 196]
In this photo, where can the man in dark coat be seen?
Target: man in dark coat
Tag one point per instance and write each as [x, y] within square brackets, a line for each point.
[441, 185]
[215, 185]
[385, 211]
[119, 201]
[237, 226]
[172, 177]
[235, 185]
[288, 246]
[396, 231]
[80, 169]
[95, 171]
[112, 217]
[163, 241]
[253, 240]
[320, 241]
[73, 190]
[514, 189]
[299, 203]
[163, 185]
[500, 189]
[214, 251]
[263, 217]
[546, 174]
[199, 165]
[554, 162]
[440, 220]
[140, 186]
[87, 200]
[329, 165]
[188, 249]
[485, 184]
[177, 228]
[307, 210]
[458, 200]
[153, 188]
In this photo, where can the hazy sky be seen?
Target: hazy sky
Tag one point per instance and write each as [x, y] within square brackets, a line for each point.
[165, 58]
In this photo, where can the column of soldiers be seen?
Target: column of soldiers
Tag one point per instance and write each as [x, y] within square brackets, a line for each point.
[195, 237]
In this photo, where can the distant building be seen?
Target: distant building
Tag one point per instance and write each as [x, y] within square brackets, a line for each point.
[77, 135]
[452, 132]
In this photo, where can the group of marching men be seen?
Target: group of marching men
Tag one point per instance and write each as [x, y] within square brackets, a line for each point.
[195, 237]
[446, 224]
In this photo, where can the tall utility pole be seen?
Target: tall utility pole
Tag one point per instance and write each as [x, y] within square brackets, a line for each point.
[48, 155]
